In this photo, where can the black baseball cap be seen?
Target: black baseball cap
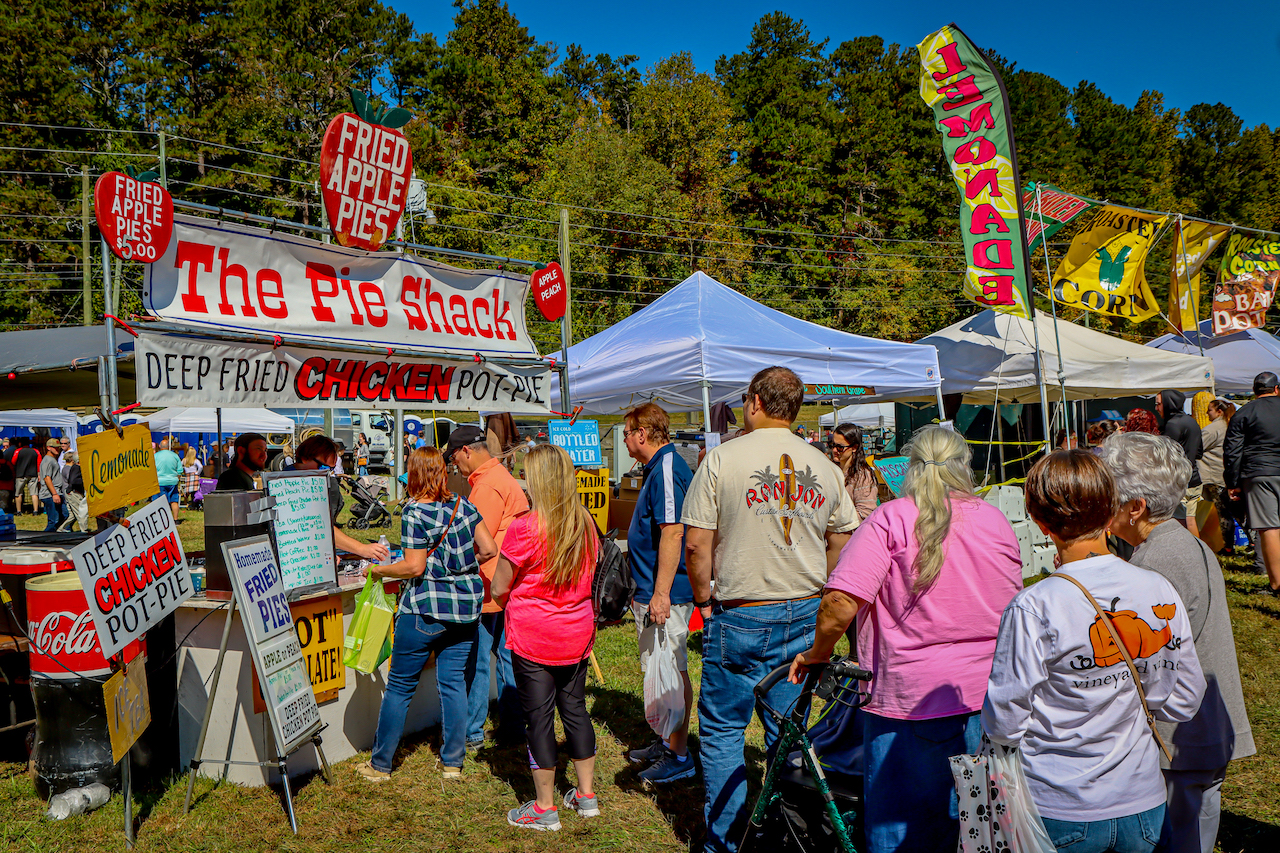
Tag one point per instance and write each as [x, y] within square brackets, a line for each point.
[461, 437]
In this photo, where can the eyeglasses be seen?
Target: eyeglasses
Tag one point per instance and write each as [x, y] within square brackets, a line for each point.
[626, 433]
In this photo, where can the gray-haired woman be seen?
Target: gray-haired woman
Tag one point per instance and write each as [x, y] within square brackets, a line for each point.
[1151, 474]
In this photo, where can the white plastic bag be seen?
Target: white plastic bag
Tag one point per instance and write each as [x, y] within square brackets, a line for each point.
[996, 809]
[663, 688]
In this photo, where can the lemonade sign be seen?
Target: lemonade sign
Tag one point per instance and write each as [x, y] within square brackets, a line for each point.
[971, 112]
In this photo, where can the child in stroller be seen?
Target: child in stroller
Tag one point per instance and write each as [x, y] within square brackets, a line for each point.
[367, 509]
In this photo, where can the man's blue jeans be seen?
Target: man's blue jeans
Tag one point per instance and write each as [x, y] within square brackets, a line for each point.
[491, 638]
[740, 646]
[1137, 833]
[910, 800]
[416, 638]
[55, 512]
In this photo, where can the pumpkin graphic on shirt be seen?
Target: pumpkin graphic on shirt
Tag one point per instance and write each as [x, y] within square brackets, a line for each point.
[1140, 639]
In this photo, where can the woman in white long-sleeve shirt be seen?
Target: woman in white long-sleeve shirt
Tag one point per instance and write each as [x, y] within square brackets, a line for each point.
[1060, 688]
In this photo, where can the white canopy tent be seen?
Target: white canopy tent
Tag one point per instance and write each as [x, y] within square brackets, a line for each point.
[1237, 356]
[869, 415]
[992, 353]
[53, 419]
[206, 420]
[701, 342]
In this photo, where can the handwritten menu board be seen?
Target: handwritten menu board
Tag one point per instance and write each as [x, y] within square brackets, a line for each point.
[303, 527]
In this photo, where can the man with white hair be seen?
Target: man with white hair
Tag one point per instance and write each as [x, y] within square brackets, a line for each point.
[73, 493]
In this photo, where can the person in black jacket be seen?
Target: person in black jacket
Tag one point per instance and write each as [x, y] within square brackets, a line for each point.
[1251, 466]
[1183, 429]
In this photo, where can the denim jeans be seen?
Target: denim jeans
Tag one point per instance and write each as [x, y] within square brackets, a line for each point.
[1137, 833]
[416, 637]
[910, 802]
[491, 640]
[740, 647]
[55, 512]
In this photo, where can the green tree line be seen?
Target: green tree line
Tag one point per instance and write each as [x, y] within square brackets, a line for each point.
[803, 172]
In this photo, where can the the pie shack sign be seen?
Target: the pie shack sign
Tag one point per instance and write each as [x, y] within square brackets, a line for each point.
[365, 166]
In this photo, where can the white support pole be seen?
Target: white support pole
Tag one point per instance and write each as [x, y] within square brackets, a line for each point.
[397, 451]
[706, 406]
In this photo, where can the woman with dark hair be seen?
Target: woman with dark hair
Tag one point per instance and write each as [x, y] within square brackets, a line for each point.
[1140, 420]
[859, 480]
[444, 541]
[1062, 689]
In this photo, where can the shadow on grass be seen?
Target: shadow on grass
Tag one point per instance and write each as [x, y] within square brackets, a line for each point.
[1239, 833]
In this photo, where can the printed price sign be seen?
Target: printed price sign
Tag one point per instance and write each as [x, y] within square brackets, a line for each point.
[277, 656]
[303, 526]
[593, 491]
[133, 576]
[317, 624]
[580, 438]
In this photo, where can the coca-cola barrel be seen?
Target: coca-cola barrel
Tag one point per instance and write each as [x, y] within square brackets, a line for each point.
[72, 746]
[17, 566]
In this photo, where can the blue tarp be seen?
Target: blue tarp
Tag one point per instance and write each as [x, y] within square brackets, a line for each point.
[1237, 357]
[701, 330]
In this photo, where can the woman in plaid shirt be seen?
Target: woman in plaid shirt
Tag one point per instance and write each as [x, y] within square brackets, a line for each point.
[444, 541]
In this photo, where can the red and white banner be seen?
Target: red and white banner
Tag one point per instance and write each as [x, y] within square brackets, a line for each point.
[229, 276]
[178, 371]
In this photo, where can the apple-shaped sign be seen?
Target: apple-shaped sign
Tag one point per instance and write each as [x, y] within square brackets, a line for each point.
[549, 291]
[134, 215]
[365, 166]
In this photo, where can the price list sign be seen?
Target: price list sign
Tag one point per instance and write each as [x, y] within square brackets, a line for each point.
[303, 527]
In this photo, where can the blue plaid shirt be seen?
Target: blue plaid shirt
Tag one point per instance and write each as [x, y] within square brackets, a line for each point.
[450, 589]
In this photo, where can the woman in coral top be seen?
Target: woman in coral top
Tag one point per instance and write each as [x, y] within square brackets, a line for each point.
[543, 580]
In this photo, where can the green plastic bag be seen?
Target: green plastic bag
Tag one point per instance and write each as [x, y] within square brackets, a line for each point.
[368, 640]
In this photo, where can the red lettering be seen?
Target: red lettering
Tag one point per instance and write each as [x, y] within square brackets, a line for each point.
[979, 118]
[374, 372]
[374, 305]
[416, 388]
[952, 65]
[338, 377]
[440, 384]
[1004, 254]
[357, 319]
[996, 289]
[984, 216]
[303, 384]
[435, 298]
[417, 322]
[958, 94]
[317, 274]
[397, 378]
[278, 311]
[458, 305]
[195, 256]
[476, 304]
[984, 153]
[976, 182]
[500, 318]
[103, 595]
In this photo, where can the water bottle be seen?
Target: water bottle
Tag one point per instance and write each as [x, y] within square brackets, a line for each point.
[78, 801]
[382, 540]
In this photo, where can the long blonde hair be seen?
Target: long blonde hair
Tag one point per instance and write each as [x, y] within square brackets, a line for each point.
[567, 528]
[938, 468]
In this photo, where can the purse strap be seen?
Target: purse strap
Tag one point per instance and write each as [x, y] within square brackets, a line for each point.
[448, 526]
[1128, 659]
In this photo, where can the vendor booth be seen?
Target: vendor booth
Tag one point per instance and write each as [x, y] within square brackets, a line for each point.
[58, 421]
[992, 355]
[866, 415]
[179, 420]
[701, 342]
[1237, 357]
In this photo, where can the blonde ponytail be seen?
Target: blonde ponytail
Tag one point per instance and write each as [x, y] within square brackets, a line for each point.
[939, 466]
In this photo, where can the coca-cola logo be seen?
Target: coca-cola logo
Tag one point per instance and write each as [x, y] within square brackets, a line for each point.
[64, 633]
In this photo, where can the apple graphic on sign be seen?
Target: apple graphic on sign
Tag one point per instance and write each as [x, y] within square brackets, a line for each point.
[135, 215]
[549, 291]
[365, 166]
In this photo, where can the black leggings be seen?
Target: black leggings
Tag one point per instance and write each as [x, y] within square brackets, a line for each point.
[544, 688]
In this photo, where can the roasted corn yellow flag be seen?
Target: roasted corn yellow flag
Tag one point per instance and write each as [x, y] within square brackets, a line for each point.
[1193, 242]
[1102, 271]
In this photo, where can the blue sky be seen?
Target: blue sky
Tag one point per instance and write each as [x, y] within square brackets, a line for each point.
[1193, 52]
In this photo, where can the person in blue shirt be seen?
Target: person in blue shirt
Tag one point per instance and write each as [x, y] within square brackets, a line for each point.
[664, 598]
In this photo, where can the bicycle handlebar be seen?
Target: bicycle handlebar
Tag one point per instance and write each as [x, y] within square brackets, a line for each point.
[840, 669]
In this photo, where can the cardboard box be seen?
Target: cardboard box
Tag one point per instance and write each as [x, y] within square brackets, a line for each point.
[629, 488]
[620, 512]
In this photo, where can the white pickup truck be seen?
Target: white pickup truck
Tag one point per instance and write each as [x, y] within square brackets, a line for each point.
[376, 425]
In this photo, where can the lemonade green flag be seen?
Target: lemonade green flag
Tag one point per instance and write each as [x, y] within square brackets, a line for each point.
[971, 111]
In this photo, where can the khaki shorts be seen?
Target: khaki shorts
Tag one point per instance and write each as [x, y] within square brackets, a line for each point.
[677, 626]
[1190, 501]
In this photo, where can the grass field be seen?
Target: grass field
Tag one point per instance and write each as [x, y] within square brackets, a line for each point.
[417, 810]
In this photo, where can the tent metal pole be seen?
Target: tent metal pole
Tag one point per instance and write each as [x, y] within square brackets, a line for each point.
[566, 322]
[706, 406]
[397, 451]
[113, 383]
[103, 395]
[942, 409]
[222, 451]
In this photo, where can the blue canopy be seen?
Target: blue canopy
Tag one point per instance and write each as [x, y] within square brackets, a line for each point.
[701, 331]
[1237, 357]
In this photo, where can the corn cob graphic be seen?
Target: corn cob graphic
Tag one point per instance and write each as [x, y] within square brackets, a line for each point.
[788, 473]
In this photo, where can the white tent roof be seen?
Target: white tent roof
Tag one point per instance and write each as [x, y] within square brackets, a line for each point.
[701, 330]
[869, 415]
[990, 350]
[206, 420]
[1237, 357]
[49, 418]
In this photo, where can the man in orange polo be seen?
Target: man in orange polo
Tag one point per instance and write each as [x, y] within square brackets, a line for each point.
[500, 500]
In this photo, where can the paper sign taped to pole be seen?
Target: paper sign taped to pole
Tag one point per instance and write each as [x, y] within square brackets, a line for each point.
[128, 706]
[133, 576]
[118, 471]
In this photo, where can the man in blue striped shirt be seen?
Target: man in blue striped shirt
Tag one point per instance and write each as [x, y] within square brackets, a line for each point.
[664, 598]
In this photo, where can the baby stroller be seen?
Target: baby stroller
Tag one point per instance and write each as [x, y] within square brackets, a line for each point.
[811, 798]
[366, 507]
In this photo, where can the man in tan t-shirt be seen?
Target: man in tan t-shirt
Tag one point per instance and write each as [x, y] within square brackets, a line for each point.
[777, 514]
